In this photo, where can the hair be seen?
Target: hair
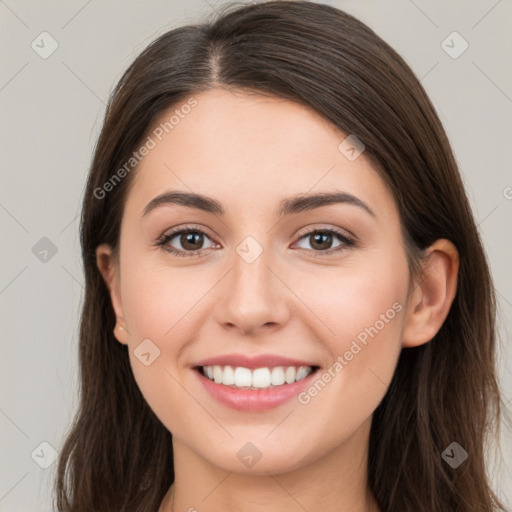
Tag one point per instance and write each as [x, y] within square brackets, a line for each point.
[117, 455]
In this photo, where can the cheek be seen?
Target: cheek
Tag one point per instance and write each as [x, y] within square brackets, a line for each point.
[357, 298]
[362, 311]
[157, 299]
[159, 303]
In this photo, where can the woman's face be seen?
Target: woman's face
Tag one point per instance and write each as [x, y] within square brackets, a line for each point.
[255, 288]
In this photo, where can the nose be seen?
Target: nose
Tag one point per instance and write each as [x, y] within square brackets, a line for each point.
[252, 298]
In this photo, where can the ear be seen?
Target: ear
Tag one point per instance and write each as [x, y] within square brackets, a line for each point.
[432, 297]
[109, 270]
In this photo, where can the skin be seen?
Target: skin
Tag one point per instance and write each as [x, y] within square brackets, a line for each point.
[249, 152]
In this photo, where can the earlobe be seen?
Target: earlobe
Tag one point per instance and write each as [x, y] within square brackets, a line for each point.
[431, 299]
[120, 333]
[108, 267]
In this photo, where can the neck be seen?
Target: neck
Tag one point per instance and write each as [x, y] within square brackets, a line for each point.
[335, 481]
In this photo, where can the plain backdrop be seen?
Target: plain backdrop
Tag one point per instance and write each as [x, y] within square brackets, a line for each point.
[51, 110]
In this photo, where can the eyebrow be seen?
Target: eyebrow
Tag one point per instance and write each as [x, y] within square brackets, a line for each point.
[295, 204]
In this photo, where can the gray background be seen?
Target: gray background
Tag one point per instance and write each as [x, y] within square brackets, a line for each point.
[51, 112]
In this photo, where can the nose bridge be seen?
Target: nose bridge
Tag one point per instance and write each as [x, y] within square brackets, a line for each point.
[251, 272]
[252, 296]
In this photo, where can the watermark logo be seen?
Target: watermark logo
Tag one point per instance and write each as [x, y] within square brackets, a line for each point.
[146, 352]
[44, 455]
[351, 147]
[44, 250]
[454, 45]
[44, 45]
[454, 455]
[249, 249]
[249, 455]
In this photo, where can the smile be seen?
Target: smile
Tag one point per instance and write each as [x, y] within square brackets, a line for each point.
[256, 383]
[260, 378]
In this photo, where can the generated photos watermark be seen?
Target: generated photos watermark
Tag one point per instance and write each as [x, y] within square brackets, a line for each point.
[150, 143]
[343, 360]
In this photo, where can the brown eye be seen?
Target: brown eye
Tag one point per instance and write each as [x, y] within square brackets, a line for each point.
[185, 242]
[321, 241]
[191, 240]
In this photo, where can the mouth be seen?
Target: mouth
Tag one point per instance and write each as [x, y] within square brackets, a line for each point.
[248, 385]
[240, 377]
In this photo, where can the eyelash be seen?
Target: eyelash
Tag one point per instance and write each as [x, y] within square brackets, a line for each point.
[347, 240]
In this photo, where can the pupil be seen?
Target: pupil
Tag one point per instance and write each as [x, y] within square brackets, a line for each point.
[189, 239]
[322, 240]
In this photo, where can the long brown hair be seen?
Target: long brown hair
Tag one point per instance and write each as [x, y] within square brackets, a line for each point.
[117, 454]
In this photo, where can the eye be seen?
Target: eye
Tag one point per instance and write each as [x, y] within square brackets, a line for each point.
[321, 241]
[190, 238]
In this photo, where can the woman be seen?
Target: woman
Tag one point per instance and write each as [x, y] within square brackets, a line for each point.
[288, 306]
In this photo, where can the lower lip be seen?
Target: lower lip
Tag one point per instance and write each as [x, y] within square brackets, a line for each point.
[254, 399]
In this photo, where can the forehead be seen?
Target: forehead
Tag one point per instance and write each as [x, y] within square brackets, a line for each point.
[247, 150]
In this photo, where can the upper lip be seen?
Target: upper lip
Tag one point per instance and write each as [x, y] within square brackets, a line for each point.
[259, 361]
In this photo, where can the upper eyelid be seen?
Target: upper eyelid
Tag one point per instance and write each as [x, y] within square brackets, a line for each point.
[187, 227]
[339, 231]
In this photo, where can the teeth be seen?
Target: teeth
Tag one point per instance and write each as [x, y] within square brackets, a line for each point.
[260, 378]
[289, 374]
[302, 373]
[228, 377]
[277, 376]
[243, 377]
[217, 374]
